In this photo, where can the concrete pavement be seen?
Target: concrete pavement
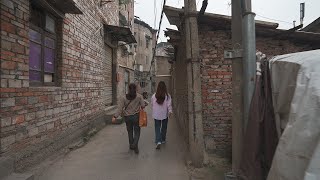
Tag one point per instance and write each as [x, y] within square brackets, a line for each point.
[107, 157]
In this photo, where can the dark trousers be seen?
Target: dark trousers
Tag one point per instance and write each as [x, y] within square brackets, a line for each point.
[133, 128]
[160, 127]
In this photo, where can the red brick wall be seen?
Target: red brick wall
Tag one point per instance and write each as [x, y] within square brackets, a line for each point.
[217, 84]
[32, 115]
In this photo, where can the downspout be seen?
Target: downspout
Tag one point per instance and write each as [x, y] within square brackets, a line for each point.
[249, 56]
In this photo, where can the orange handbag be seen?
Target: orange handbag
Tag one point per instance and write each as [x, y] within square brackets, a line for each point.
[143, 118]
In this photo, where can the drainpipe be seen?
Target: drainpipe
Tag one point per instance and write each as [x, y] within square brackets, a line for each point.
[249, 56]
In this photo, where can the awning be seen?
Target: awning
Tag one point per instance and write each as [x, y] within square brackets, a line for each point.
[120, 34]
[58, 7]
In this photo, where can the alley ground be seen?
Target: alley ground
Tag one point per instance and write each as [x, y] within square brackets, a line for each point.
[107, 157]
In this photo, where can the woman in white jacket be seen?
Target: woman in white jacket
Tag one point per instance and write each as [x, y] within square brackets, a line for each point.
[161, 109]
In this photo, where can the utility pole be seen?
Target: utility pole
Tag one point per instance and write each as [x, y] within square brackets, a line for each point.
[237, 90]
[243, 73]
[249, 57]
[196, 142]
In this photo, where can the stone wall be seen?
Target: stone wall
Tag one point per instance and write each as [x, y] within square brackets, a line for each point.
[35, 119]
[217, 83]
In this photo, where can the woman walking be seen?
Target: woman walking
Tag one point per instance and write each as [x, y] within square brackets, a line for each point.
[161, 108]
[129, 107]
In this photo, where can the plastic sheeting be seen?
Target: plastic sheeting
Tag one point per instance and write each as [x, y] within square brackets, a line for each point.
[296, 95]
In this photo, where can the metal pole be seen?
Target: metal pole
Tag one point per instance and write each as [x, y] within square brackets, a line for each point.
[237, 89]
[249, 57]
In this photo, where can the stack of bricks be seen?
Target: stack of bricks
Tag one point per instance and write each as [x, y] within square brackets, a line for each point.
[216, 73]
[31, 115]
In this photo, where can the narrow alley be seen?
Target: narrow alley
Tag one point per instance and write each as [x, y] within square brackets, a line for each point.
[239, 78]
[107, 157]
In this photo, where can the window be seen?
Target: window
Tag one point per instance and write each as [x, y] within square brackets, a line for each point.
[42, 54]
[143, 84]
[148, 38]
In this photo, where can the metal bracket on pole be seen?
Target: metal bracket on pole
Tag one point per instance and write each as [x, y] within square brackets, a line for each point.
[231, 54]
[193, 60]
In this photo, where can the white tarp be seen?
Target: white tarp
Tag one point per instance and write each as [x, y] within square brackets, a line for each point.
[296, 93]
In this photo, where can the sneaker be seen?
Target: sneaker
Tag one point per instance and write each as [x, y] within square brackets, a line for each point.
[158, 145]
[131, 147]
[136, 150]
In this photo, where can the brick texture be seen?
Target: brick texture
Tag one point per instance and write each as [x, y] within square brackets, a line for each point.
[44, 111]
[216, 75]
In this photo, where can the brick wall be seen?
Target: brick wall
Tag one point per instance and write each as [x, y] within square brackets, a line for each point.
[217, 84]
[32, 117]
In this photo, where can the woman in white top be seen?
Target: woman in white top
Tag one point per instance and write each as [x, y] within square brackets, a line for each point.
[161, 108]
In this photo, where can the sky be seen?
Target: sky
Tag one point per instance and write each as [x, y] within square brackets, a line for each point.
[283, 12]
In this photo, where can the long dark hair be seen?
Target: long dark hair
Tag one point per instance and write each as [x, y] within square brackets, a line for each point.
[161, 92]
[132, 93]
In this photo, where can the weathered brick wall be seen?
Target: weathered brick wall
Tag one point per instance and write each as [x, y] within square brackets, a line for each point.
[31, 117]
[217, 84]
[216, 91]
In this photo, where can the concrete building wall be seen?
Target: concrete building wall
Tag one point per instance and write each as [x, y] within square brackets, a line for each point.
[161, 49]
[163, 67]
[180, 90]
[126, 76]
[145, 43]
[126, 8]
[36, 121]
[125, 53]
[217, 84]
[145, 37]
[163, 71]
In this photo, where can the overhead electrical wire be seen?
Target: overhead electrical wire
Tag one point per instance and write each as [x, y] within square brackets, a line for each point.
[155, 13]
[274, 19]
[157, 37]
